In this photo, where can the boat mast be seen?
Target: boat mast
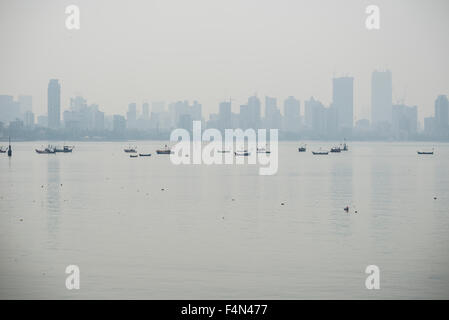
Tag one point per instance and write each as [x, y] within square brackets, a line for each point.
[9, 148]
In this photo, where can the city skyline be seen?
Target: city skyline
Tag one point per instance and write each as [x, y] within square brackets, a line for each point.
[179, 51]
[315, 120]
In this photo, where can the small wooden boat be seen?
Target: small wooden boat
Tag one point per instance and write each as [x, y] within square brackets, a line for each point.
[133, 155]
[262, 150]
[144, 154]
[320, 152]
[130, 150]
[64, 149]
[223, 151]
[3, 150]
[335, 149]
[48, 150]
[244, 153]
[166, 150]
[425, 152]
[302, 148]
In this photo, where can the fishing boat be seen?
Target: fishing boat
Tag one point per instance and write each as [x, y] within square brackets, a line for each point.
[133, 155]
[48, 150]
[302, 148]
[425, 152]
[64, 149]
[242, 153]
[166, 150]
[262, 150]
[3, 150]
[130, 149]
[320, 152]
[345, 146]
[144, 154]
[335, 149]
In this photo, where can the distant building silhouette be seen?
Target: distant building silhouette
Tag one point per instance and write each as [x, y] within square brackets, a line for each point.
[131, 116]
[54, 104]
[404, 120]
[119, 124]
[292, 112]
[381, 98]
[145, 111]
[441, 114]
[343, 101]
[224, 115]
[29, 119]
[273, 118]
[315, 116]
[254, 112]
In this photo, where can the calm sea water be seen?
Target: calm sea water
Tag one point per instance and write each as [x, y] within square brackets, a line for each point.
[220, 231]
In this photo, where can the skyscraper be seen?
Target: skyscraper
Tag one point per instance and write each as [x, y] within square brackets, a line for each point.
[145, 110]
[315, 116]
[441, 113]
[381, 97]
[272, 114]
[404, 119]
[254, 112]
[54, 104]
[131, 115]
[224, 115]
[291, 114]
[343, 101]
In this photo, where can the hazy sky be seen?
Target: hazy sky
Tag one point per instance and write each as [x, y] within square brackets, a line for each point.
[208, 50]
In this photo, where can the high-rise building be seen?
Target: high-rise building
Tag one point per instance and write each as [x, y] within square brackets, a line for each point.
[381, 98]
[343, 101]
[273, 116]
[291, 114]
[224, 115]
[270, 107]
[131, 116]
[29, 119]
[119, 124]
[42, 121]
[145, 110]
[254, 112]
[54, 104]
[404, 120]
[441, 113]
[429, 126]
[315, 116]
